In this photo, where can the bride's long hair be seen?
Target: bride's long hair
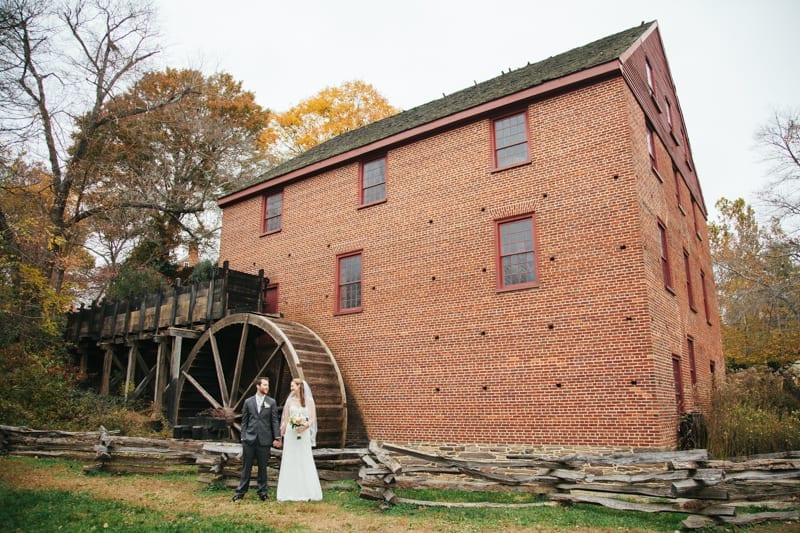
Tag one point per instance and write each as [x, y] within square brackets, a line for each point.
[300, 392]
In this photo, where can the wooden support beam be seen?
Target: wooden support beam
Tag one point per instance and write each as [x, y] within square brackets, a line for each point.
[237, 369]
[130, 374]
[174, 374]
[106, 380]
[161, 373]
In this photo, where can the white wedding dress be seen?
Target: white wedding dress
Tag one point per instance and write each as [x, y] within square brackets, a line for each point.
[298, 479]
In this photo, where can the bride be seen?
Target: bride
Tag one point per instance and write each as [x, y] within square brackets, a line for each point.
[298, 479]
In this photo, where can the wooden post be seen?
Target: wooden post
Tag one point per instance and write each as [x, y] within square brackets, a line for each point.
[93, 329]
[130, 375]
[104, 384]
[142, 309]
[211, 295]
[224, 289]
[175, 295]
[127, 316]
[192, 303]
[157, 313]
[174, 374]
[161, 372]
[262, 288]
[114, 319]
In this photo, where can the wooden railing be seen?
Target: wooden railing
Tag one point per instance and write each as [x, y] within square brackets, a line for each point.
[177, 305]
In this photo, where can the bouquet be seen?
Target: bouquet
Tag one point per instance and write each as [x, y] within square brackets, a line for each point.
[298, 420]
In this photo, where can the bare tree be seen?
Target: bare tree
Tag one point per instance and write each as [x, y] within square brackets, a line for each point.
[780, 142]
[61, 64]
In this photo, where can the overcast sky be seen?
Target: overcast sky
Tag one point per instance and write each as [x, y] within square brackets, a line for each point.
[734, 62]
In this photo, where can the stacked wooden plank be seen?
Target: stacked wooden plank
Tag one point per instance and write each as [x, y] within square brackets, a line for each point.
[216, 462]
[709, 491]
[684, 481]
[221, 463]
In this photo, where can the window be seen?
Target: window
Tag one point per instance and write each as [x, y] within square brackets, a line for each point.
[348, 286]
[668, 112]
[273, 210]
[516, 265]
[695, 207]
[689, 290]
[651, 81]
[510, 137]
[676, 374]
[705, 296]
[692, 362]
[678, 180]
[651, 149]
[373, 182]
[664, 250]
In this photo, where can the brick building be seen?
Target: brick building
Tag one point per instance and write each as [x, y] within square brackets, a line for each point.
[524, 262]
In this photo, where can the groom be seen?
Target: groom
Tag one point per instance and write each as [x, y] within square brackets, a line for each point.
[260, 429]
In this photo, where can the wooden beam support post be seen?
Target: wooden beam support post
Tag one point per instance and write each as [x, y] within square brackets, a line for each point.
[174, 374]
[107, 359]
[130, 374]
[161, 372]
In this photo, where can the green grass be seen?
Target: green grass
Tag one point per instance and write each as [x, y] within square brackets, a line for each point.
[62, 511]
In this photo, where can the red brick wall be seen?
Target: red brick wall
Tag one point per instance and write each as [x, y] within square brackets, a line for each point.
[438, 355]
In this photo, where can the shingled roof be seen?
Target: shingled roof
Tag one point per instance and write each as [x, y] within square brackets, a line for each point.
[575, 60]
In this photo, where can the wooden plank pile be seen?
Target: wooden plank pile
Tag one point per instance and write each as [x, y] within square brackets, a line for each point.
[221, 463]
[710, 491]
[215, 462]
[103, 450]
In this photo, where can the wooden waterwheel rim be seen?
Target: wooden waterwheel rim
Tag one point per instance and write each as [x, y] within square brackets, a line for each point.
[220, 370]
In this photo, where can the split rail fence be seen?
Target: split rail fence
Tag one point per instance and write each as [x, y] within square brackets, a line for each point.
[710, 491]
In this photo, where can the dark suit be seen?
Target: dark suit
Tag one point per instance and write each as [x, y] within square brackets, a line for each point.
[259, 429]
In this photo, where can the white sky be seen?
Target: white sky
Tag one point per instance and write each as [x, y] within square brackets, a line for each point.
[734, 62]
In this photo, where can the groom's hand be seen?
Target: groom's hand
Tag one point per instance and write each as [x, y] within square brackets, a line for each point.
[277, 443]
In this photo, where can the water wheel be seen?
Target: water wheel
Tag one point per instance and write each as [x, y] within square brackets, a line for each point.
[221, 368]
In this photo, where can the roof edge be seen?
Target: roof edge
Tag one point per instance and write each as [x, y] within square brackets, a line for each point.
[583, 76]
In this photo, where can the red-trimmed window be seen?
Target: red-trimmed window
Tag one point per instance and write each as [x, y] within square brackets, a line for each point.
[692, 362]
[666, 271]
[695, 207]
[273, 212]
[689, 288]
[348, 283]
[651, 149]
[668, 112]
[651, 80]
[676, 374]
[705, 296]
[516, 257]
[678, 184]
[510, 139]
[373, 181]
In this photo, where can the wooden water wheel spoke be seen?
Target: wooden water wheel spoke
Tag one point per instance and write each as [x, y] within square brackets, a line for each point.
[257, 375]
[265, 346]
[218, 367]
[203, 391]
[237, 369]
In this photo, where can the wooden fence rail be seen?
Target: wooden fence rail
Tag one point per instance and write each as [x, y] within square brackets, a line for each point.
[710, 491]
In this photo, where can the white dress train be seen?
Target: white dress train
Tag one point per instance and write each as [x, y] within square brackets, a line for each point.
[297, 479]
